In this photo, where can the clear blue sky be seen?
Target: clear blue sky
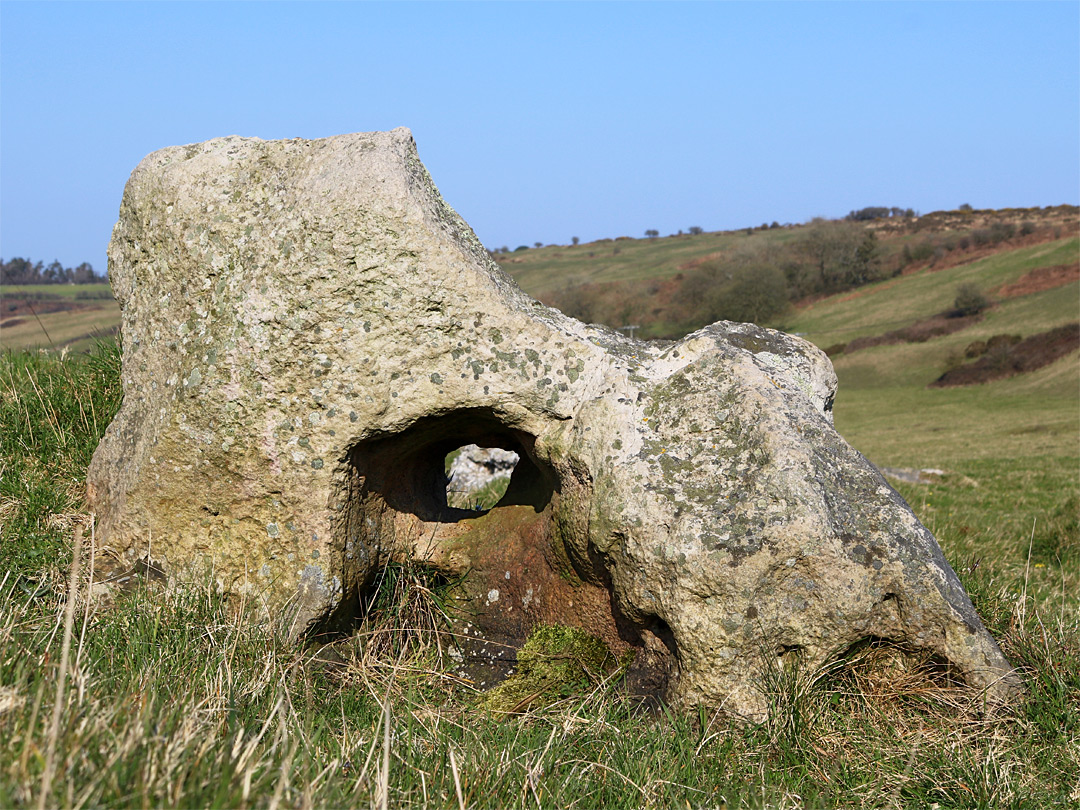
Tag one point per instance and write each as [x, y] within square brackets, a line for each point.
[543, 121]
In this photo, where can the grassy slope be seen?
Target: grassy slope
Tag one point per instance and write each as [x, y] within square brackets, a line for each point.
[539, 271]
[884, 406]
[890, 304]
[76, 329]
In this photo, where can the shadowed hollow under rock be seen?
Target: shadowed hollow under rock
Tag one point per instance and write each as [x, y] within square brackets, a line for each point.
[308, 330]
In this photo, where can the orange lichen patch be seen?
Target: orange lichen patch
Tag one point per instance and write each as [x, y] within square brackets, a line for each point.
[1039, 279]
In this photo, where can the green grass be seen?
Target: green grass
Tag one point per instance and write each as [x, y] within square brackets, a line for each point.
[185, 698]
[53, 411]
[543, 270]
[893, 418]
[102, 290]
[878, 308]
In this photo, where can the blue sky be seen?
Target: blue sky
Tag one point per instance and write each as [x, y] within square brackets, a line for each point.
[543, 121]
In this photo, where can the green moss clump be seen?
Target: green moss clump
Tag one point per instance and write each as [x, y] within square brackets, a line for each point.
[555, 662]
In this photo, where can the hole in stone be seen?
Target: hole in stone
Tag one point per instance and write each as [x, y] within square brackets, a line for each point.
[656, 662]
[408, 473]
[509, 552]
[477, 477]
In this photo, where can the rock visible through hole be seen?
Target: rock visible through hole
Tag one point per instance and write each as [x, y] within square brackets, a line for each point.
[477, 477]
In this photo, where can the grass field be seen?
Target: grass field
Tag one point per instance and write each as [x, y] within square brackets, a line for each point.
[185, 698]
[92, 314]
[71, 291]
[75, 330]
[556, 266]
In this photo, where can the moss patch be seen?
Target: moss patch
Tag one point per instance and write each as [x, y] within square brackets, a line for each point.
[555, 662]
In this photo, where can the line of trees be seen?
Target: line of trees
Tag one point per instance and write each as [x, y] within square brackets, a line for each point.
[26, 271]
[757, 282]
[881, 212]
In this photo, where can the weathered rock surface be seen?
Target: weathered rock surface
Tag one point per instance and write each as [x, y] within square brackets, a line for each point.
[308, 330]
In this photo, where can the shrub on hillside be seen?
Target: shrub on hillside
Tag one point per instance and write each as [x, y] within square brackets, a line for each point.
[837, 256]
[751, 293]
[920, 251]
[976, 348]
[970, 300]
[757, 295]
[1000, 231]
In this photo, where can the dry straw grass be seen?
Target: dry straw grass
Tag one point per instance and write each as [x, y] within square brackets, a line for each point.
[383, 724]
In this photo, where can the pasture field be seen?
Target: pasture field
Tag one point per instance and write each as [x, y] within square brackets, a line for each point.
[71, 291]
[183, 698]
[56, 315]
[77, 330]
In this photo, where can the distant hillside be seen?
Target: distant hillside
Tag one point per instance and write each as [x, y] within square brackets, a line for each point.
[671, 285]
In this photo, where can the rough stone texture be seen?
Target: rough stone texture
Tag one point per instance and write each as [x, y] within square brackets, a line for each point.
[308, 329]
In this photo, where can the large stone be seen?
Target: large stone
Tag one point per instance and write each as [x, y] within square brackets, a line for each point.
[308, 330]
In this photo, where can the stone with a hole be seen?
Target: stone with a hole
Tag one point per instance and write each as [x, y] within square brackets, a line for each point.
[309, 330]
